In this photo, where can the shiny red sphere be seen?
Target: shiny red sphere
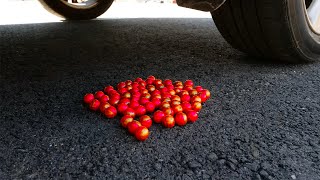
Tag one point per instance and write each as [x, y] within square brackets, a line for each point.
[167, 82]
[104, 106]
[192, 116]
[181, 119]
[168, 121]
[140, 110]
[104, 99]
[134, 104]
[158, 116]
[125, 120]
[146, 121]
[122, 107]
[185, 98]
[94, 105]
[110, 112]
[186, 106]
[177, 109]
[98, 94]
[107, 89]
[188, 83]
[130, 112]
[150, 107]
[114, 101]
[88, 98]
[133, 126]
[142, 133]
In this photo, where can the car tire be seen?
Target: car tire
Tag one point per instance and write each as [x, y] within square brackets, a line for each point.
[74, 12]
[272, 29]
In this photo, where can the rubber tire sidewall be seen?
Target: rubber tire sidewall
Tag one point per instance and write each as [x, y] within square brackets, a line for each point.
[307, 42]
[61, 9]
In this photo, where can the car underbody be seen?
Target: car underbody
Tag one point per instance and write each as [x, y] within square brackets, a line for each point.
[203, 5]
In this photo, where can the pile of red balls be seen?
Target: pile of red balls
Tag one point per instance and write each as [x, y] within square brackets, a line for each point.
[169, 103]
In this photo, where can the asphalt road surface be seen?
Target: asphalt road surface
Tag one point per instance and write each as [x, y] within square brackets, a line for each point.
[262, 121]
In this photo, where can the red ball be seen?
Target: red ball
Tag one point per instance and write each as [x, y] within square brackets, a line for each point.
[199, 88]
[133, 126]
[171, 92]
[134, 90]
[193, 92]
[168, 111]
[186, 106]
[130, 112]
[121, 85]
[151, 77]
[150, 107]
[88, 98]
[207, 92]
[166, 95]
[192, 116]
[138, 79]
[134, 104]
[104, 106]
[188, 83]
[174, 103]
[158, 116]
[165, 105]
[144, 91]
[181, 119]
[115, 96]
[129, 87]
[142, 133]
[143, 100]
[175, 98]
[155, 92]
[151, 88]
[156, 102]
[136, 95]
[140, 110]
[113, 92]
[167, 82]
[185, 98]
[196, 106]
[95, 104]
[128, 82]
[195, 99]
[146, 95]
[168, 121]
[177, 109]
[149, 81]
[104, 99]
[122, 108]
[124, 101]
[122, 90]
[157, 82]
[114, 101]
[110, 112]
[126, 95]
[164, 90]
[178, 83]
[187, 88]
[107, 89]
[146, 121]
[98, 94]
[125, 120]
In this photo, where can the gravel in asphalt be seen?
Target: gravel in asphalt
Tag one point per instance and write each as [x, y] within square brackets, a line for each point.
[261, 123]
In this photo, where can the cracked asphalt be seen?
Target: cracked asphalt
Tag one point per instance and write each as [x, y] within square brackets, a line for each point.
[262, 121]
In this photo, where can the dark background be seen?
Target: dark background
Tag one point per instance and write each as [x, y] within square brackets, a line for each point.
[262, 121]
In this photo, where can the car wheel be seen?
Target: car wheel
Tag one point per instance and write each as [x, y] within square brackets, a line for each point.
[77, 10]
[287, 30]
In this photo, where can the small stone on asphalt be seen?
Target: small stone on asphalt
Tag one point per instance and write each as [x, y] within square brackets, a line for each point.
[212, 156]
[194, 164]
